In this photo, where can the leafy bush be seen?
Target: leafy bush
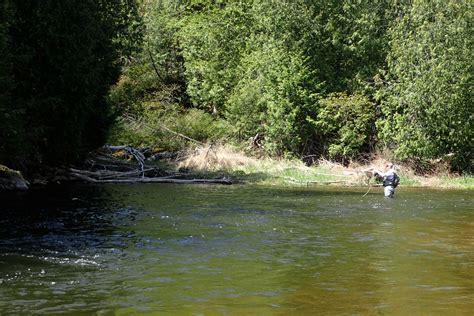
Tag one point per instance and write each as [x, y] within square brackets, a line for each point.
[303, 76]
[158, 127]
[270, 99]
[346, 125]
[428, 103]
[211, 41]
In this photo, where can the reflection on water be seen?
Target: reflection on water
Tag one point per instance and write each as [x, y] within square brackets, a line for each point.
[171, 249]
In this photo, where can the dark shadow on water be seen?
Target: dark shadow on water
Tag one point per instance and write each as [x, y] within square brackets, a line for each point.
[55, 243]
[62, 220]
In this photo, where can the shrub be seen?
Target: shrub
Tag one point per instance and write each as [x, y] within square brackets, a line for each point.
[345, 125]
[158, 127]
[428, 104]
[270, 99]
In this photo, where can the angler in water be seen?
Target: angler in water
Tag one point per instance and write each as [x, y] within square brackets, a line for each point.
[389, 178]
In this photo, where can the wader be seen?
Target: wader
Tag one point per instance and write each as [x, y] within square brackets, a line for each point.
[389, 191]
[390, 182]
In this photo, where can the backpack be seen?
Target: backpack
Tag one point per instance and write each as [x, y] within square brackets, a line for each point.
[396, 180]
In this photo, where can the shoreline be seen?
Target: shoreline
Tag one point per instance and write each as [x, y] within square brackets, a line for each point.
[226, 161]
[296, 174]
[239, 168]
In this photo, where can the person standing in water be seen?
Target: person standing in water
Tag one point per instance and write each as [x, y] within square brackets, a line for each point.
[389, 178]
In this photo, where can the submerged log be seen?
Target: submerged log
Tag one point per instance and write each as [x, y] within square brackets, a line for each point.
[83, 177]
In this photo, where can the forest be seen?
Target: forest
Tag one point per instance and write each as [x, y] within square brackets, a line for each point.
[338, 79]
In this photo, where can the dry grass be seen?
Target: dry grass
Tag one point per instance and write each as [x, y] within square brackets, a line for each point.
[331, 167]
[214, 157]
[283, 171]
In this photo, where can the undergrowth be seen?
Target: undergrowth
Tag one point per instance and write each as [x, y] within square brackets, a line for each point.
[220, 160]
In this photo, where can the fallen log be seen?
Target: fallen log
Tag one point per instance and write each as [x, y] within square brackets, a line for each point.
[151, 180]
[139, 157]
[107, 162]
[106, 168]
[110, 174]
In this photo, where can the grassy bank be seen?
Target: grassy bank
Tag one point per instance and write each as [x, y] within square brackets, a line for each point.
[219, 161]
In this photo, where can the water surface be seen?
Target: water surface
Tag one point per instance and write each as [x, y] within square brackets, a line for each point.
[234, 250]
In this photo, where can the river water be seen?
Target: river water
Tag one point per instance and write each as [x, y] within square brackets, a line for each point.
[236, 250]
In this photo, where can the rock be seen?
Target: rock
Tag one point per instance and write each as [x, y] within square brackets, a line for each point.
[12, 179]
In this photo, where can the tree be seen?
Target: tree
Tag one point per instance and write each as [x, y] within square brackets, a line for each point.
[11, 127]
[346, 125]
[212, 40]
[270, 99]
[64, 55]
[306, 75]
[428, 103]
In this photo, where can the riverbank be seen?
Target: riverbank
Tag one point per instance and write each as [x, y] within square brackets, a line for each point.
[232, 163]
[226, 165]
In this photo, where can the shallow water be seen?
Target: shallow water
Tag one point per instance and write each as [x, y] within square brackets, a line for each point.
[234, 250]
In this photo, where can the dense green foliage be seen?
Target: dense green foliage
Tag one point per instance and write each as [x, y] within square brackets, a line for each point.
[58, 60]
[260, 66]
[346, 124]
[339, 78]
[10, 125]
[428, 102]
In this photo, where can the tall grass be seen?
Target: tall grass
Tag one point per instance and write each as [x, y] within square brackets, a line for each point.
[266, 170]
[292, 172]
[215, 158]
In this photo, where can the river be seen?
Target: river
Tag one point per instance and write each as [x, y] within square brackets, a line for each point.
[235, 250]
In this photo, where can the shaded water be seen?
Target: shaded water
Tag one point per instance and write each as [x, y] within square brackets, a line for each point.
[167, 249]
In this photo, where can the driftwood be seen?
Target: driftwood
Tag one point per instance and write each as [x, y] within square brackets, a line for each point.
[139, 157]
[107, 162]
[151, 180]
[105, 168]
[109, 174]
